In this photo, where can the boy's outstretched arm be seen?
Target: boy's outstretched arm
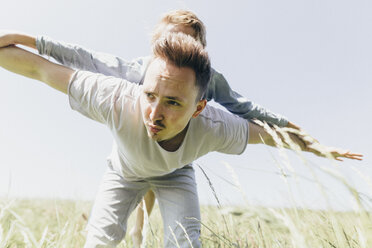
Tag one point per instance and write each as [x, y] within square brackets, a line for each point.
[78, 57]
[259, 133]
[30, 65]
[220, 91]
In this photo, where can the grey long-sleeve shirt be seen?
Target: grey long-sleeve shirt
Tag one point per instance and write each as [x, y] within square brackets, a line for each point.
[219, 90]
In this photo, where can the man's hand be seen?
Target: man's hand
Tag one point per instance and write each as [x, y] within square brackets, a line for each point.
[9, 37]
[295, 138]
[302, 136]
[309, 144]
[334, 152]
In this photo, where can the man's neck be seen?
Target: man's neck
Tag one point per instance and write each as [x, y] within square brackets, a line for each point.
[174, 143]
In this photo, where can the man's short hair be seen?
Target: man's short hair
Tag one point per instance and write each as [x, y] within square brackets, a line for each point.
[183, 50]
[182, 17]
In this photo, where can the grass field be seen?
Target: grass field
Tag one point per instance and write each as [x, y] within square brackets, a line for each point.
[48, 223]
[60, 223]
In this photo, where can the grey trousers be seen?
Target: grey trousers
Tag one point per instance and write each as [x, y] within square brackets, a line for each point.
[117, 198]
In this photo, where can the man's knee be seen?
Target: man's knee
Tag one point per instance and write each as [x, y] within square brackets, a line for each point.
[104, 236]
[183, 234]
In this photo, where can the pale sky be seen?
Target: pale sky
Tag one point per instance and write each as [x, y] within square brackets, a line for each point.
[308, 60]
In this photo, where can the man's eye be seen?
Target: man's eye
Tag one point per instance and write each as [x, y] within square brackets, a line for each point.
[174, 103]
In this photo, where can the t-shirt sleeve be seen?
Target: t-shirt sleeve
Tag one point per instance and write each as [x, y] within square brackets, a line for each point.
[234, 133]
[227, 133]
[95, 95]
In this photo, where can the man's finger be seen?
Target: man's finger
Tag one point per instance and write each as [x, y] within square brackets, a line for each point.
[355, 154]
[354, 157]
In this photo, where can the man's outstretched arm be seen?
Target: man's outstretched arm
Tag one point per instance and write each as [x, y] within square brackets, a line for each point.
[261, 134]
[30, 65]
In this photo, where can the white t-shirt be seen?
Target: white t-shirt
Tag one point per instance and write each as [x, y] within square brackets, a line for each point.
[116, 103]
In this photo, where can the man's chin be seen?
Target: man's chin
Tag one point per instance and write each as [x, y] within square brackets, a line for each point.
[154, 136]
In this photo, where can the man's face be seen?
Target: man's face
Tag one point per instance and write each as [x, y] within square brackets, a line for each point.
[168, 101]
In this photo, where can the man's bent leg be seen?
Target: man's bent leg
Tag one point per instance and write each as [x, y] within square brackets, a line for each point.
[179, 205]
[114, 202]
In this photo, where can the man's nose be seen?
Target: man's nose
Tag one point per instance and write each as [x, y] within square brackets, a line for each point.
[156, 112]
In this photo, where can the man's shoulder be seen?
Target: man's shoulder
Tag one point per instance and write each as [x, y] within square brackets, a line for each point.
[212, 116]
[217, 122]
[220, 131]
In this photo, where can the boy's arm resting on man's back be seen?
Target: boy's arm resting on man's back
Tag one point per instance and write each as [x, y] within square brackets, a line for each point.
[30, 65]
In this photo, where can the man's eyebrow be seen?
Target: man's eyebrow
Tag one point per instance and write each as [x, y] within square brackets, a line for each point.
[174, 98]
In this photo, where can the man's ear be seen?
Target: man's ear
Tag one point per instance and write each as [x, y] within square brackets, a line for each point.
[199, 107]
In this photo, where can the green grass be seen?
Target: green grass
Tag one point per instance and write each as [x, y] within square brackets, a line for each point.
[48, 223]
[60, 223]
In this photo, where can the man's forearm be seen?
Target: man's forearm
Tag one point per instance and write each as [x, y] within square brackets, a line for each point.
[260, 132]
[18, 61]
[33, 66]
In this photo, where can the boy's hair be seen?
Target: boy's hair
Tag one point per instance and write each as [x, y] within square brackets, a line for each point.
[182, 50]
[182, 17]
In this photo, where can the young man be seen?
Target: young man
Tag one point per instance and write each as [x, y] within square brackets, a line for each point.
[175, 21]
[158, 128]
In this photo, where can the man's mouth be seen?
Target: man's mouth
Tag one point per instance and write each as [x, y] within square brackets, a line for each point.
[154, 128]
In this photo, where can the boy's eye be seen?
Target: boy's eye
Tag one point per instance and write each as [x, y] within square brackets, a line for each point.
[150, 96]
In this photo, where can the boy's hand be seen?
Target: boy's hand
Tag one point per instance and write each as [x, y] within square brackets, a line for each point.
[6, 38]
[10, 37]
